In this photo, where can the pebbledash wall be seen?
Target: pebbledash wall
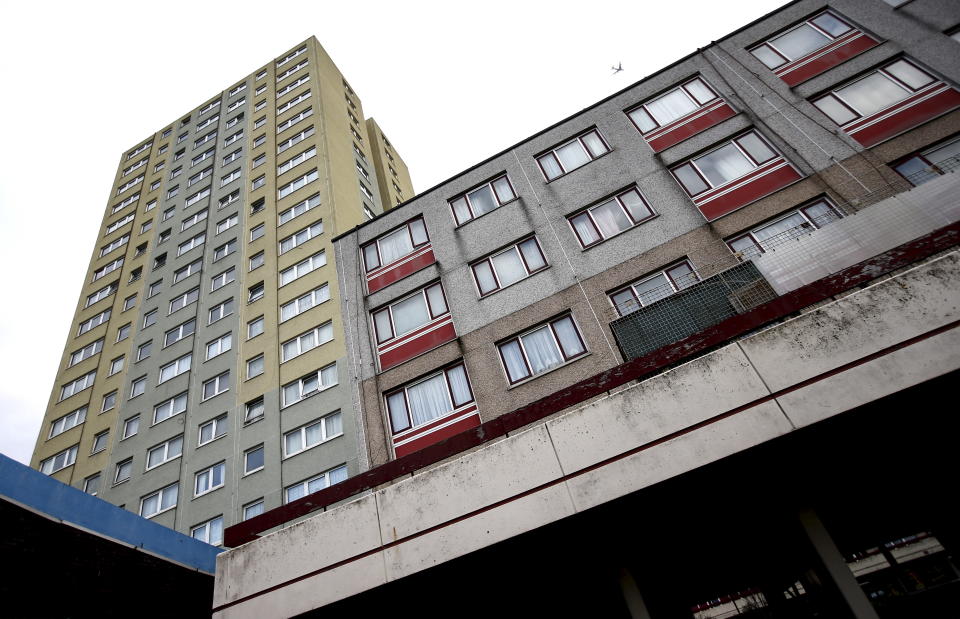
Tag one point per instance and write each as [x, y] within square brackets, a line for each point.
[291, 135]
[850, 165]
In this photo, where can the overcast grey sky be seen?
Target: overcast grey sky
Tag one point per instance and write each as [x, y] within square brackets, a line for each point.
[450, 84]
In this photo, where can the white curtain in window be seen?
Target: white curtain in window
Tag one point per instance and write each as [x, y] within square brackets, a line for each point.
[643, 119]
[394, 246]
[398, 411]
[700, 91]
[513, 358]
[690, 180]
[438, 305]
[292, 443]
[461, 210]
[509, 267]
[459, 385]
[585, 229]
[635, 204]
[337, 475]
[800, 41]
[873, 93]
[329, 375]
[418, 232]
[483, 200]
[542, 351]
[169, 497]
[594, 144]
[550, 166]
[410, 314]
[314, 435]
[503, 189]
[429, 399]
[724, 164]
[531, 254]
[572, 155]
[908, 74]
[610, 218]
[671, 106]
[485, 279]
[568, 337]
[333, 425]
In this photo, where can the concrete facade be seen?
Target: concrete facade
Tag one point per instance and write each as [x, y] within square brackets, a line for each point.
[294, 118]
[578, 281]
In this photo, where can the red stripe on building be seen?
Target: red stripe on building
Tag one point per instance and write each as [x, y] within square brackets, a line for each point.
[759, 186]
[911, 115]
[683, 129]
[422, 341]
[381, 279]
[438, 435]
[843, 52]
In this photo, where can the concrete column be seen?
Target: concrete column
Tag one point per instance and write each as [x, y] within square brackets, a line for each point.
[836, 566]
[631, 595]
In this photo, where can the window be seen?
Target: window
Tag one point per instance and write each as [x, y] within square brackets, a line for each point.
[294, 140]
[100, 441]
[541, 349]
[261, 75]
[573, 154]
[222, 279]
[164, 148]
[177, 156]
[303, 303]
[233, 138]
[670, 106]
[232, 156]
[395, 245]
[236, 104]
[429, 398]
[255, 327]
[184, 272]
[310, 340]
[876, 91]
[209, 479]
[259, 160]
[179, 332]
[800, 40]
[109, 401]
[199, 176]
[159, 166]
[193, 220]
[184, 300]
[236, 89]
[253, 509]
[653, 287]
[253, 460]
[169, 408]
[482, 200]
[200, 195]
[116, 366]
[225, 224]
[306, 113]
[299, 208]
[297, 183]
[91, 485]
[508, 266]
[216, 385]
[149, 318]
[129, 184]
[91, 323]
[219, 346]
[225, 250]
[366, 191]
[292, 70]
[312, 434]
[233, 122]
[113, 227]
[407, 315]
[291, 56]
[310, 384]
[210, 532]
[85, 353]
[258, 182]
[158, 502]
[174, 173]
[219, 311]
[255, 366]
[212, 430]
[254, 410]
[300, 269]
[127, 202]
[257, 205]
[208, 107]
[723, 164]
[124, 469]
[255, 292]
[164, 452]
[135, 274]
[930, 163]
[142, 148]
[123, 332]
[257, 260]
[116, 244]
[146, 226]
[167, 214]
[207, 138]
[138, 386]
[293, 85]
[785, 228]
[259, 140]
[229, 178]
[135, 166]
[173, 191]
[191, 243]
[161, 260]
[130, 302]
[321, 481]
[175, 368]
[60, 461]
[68, 421]
[76, 386]
[301, 236]
[296, 160]
[257, 231]
[292, 102]
[143, 350]
[130, 427]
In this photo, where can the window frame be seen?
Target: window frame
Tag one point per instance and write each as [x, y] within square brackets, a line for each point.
[549, 325]
[444, 371]
[552, 152]
[801, 210]
[376, 243]
[160, 496]
[304, 445]
[211, 473]
[315, 332]
[216, 381]
[488, 260]
[165, 445]
[768, 42]
[665, 272]
[465, 196]
[215, 423]
[682, 87]
[691, 161]
[303, 395]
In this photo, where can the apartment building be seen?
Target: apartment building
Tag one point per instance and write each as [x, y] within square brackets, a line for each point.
[528, 331]
[211, 304]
